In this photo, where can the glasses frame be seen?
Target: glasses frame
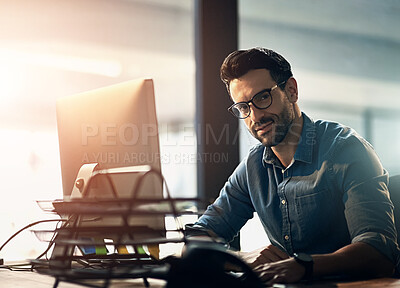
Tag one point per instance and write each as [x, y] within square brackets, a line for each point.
[268, 90]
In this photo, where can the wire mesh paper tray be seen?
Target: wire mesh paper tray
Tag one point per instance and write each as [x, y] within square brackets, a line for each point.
[84, 250]
[102, 277]
[123, 206]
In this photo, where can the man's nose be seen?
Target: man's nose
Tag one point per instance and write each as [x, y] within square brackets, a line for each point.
[255, 113]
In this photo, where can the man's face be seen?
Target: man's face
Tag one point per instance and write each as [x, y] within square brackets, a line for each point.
[270, 126]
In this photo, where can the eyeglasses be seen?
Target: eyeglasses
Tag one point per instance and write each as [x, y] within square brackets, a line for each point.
[262, 100]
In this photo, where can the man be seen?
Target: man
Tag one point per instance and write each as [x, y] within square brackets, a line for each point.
[318, 187]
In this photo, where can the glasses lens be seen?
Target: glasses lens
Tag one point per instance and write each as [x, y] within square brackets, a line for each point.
[241, 110]
[262, 100]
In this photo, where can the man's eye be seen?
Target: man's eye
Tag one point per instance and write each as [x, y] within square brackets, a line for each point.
[263, 96]
[242, 108]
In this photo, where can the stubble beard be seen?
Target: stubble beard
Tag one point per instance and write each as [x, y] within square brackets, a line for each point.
[280, 128]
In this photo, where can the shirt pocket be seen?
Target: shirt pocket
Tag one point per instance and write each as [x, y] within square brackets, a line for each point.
[314, 214]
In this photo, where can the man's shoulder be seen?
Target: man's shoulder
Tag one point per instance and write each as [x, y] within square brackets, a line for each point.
[336, 137]
[255, 152]
[256, 148]
[334, 131]
[254, 155]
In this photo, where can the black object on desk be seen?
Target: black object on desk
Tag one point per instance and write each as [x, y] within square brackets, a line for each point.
[204, 264]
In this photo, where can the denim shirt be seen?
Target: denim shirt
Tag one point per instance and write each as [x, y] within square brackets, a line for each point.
[334, 193]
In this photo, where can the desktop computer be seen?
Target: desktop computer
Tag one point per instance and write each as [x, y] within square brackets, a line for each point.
[108, 129]
[114, 126]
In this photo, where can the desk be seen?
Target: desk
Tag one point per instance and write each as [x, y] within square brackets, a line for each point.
[19, 279]
[25, 279]
[372, 283]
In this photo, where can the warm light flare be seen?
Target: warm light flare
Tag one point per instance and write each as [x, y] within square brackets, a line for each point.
[109, 68]
[29, 171]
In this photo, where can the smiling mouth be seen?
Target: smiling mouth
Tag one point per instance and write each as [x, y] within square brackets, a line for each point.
[264, 128]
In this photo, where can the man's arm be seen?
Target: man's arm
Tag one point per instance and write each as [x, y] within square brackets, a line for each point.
[231, 210]
[357, 259]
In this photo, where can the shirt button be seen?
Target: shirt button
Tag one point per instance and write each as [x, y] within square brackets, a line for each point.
[286, 237]
[283, 202]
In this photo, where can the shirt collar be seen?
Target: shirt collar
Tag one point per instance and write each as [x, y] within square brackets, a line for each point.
[304, 148]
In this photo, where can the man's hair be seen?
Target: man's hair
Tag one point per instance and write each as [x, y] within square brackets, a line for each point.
[240, 62]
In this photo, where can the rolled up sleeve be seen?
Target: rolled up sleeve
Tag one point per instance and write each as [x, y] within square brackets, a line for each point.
[368, 208]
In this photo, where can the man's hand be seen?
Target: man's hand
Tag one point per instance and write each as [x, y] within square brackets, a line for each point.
[356, 259]
[264, 255]
[285, 271]
[274, 265]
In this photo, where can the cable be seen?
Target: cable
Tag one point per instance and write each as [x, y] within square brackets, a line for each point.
[26, 227]
[51, 242]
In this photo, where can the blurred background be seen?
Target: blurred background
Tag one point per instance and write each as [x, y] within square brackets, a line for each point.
[344, 55]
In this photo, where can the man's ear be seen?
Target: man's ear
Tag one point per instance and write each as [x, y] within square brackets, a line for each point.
[291, 90]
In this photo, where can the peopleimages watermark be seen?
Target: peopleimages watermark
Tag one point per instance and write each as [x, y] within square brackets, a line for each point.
[112, 134]
[128, 134]
[132, 158]
[184, 134]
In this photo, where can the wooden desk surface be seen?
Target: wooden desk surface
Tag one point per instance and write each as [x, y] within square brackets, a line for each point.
[372, 283]
[24, 279]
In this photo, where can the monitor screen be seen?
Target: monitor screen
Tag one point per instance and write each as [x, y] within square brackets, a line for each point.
[114, 126]
[108, 128]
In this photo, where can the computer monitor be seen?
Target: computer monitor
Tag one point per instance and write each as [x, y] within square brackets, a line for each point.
[114, 126]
